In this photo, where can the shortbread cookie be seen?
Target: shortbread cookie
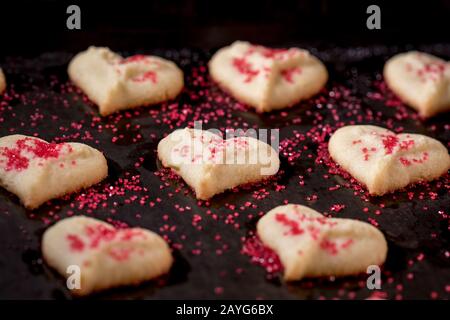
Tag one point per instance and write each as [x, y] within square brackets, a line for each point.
[106, 257]
[2, 81]
[37, 171]
[115, 83]
[211, 165]
[312, 245]
[267, 79]
[385, 161]
[421, 80]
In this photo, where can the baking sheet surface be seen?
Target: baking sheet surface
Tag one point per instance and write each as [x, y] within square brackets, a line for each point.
[208, 237]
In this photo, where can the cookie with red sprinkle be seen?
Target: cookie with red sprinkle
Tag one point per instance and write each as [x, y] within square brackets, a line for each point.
[421, 80]
[384, 161]
[312, 245]
[105, 255]
[37, 171]
[265, 78]
[115, 83]
[211, 165]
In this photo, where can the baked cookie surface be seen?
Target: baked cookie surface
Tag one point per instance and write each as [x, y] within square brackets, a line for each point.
[267, 79]
[115, 83]
[384, 161]
[312, 245]
[2, 81]
[106, 256]
[421, 80]
[37, 171]
[211, 165]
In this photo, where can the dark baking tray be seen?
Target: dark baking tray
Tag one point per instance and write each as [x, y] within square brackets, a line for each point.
[41, 101]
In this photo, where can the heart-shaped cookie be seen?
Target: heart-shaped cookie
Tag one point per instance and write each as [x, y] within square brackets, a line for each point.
[421, 80]
[265, 78]
[37, 171]
[2, 81]
[106, 257]
[115, 83]
[385, 161]
[312, 245]
[211, 165]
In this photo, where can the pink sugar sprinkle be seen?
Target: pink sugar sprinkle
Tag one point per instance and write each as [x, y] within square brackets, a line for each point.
[294, 227]
[244, 67]
[261, 255]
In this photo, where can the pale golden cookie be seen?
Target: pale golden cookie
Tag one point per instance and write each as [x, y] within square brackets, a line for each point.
[115, 83]
[37, 171]
[420, 80]
[267, 79]
[384, 161]
[105, 256]
[312, 245]
[211, 165]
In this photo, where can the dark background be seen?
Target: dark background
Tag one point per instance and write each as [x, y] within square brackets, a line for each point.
[30, 27]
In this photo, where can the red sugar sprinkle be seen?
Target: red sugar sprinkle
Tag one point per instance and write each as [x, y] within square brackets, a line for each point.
[329, 246]
[292, 224]
[244, 67]
[347, 243]
[406, 144]
[288, 74]
[15, 160]
[120, 254]
[135, 58]
[337, 207]
[378, 295]
[389, 142]
[39, 149]
[272, 52]
[76, 244]
[408, 162]
[261, 255]
[99, 233]
[147, 76]
[405, 161]
[218, 290]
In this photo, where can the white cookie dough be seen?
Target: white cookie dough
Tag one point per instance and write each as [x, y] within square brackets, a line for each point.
[384, 161]
[312, 245]
[211, 165]
[37, 171]
[267, 79]
[420, 80]
[2, 81]
[115, 83]
[107, 257]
